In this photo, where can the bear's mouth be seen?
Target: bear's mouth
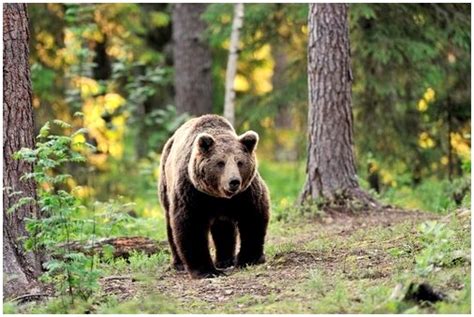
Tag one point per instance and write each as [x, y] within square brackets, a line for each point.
[229, 194]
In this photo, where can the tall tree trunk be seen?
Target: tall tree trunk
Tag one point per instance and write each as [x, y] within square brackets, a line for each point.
[102, 70]
[231, 71]
[283, 116]
[20, 268]
[192, 60]
[330, 166]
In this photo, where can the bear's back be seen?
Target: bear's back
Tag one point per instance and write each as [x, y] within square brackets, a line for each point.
[210, 123]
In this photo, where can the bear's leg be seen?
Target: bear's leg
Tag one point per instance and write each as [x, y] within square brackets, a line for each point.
[224, 236]
[191, 238]
[252, 230]
[177, 262]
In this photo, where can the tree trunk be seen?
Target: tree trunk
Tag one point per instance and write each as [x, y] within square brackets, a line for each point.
[192, 60]
[102, 70]
[20, 267]
[231, 71]
[283, 116]
[330, 166]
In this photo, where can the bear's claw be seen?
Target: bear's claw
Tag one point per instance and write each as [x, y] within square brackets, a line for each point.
[225, 263]
[243, 262]
[209, 274]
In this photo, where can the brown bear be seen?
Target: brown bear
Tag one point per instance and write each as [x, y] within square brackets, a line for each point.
[209, 183]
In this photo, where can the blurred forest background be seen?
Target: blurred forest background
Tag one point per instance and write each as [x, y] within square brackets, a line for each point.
[115, 64]
[124, 77]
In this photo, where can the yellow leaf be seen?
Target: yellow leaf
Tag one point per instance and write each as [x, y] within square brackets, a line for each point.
[425, 141]
[113, 101]
[429, 95]
[422, 105]
[241, 83]
[460, 145]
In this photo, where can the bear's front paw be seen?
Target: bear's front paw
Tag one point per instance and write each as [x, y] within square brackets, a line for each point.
[223, 264]
[245, 261]
[207, 274]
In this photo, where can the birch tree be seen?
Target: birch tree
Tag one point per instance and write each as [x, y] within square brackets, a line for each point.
[229, 100]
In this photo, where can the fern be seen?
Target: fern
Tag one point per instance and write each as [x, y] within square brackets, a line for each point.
[72, 273]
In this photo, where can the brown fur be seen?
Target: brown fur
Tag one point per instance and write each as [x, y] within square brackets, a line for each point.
[209, 183]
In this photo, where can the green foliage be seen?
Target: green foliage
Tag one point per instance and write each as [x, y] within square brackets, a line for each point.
[144, 264]
[140, 87]
[285, 180]
[438, 248]
[431, 194]
[71, 272]
[282, 29]
[168, 121]
[408, 88]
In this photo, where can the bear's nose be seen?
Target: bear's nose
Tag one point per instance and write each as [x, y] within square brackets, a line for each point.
[234, 184]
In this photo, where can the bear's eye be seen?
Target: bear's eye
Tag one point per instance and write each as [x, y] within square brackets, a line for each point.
[240, 163]
[221, 164]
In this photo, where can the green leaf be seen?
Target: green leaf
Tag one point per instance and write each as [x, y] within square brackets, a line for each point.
[20, 203]
[54, 265]
[44, 131]
[61, 123]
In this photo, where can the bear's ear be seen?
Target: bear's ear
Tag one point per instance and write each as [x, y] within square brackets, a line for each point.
[250, 140]
[205, 142]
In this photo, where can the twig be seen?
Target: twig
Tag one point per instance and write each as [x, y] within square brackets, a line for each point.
[26, 297]
[117, 277]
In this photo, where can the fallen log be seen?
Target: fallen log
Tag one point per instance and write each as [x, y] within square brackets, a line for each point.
[121, 246]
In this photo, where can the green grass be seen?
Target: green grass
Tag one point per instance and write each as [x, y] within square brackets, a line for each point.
[284, 180]
[152, 304]
[431, 194]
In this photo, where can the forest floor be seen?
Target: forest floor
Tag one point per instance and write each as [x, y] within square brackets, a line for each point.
[339, 263]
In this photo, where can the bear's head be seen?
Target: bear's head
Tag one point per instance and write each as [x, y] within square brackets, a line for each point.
[223, 165]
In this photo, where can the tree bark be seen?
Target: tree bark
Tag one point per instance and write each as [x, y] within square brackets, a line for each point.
[192, 60]
[283, 116]
[331, 171]
[231, 71]
[20, 267]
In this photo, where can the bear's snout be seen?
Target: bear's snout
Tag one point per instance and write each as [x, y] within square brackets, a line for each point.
[234, 184]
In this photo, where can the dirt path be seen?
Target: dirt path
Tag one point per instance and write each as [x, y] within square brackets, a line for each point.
[332, 244]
